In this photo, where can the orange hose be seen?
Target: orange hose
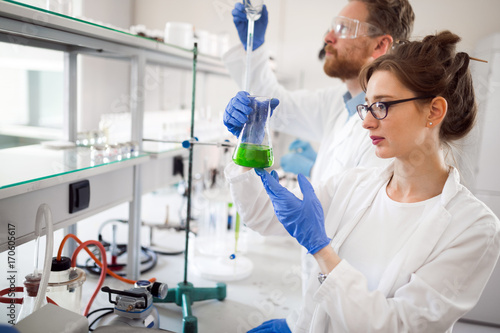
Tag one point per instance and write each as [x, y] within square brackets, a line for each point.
[103, 269]
[98, 262]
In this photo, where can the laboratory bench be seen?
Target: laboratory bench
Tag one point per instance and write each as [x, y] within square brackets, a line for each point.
[272, 289]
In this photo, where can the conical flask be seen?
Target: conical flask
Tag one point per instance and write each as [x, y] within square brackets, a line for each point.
[254, 148]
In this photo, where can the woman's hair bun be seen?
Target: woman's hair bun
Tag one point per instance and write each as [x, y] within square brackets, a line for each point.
[433, 67]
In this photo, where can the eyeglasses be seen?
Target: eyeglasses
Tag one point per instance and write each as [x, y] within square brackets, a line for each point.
[379, 109]
[348, 28]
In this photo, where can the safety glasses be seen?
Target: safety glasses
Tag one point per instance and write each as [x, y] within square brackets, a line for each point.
[379, 109]
[348, 28]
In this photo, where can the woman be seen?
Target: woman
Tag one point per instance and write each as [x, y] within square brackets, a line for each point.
[401, 249]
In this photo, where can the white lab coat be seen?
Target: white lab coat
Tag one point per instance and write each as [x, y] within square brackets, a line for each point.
[436, 277]
[319, 116]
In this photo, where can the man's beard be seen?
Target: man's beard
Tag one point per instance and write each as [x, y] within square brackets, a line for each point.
[343, 67]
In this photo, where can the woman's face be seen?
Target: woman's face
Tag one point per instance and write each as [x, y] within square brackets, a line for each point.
[403, 133]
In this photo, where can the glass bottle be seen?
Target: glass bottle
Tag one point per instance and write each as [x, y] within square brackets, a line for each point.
[65, 284]
[254, 148]
[31, 284]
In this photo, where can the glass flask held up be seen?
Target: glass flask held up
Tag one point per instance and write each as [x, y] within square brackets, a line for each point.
[254, 148]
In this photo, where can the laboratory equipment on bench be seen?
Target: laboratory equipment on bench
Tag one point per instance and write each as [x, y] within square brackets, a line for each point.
[35, 285]
[54, 319]
[253, 9]
[134, 307]
[185, 293]
[117, 252]
[31, 285]
[65, 284]
[216, 256]
[254, 148]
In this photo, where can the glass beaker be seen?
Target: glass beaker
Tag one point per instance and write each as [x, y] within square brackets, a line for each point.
[215, 255]
[254, 148]
[65, 284]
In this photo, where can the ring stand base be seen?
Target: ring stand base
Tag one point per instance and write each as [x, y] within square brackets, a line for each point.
[185, 295]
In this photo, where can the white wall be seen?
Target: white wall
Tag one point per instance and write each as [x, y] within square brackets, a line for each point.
[296, 28]
[103, 83]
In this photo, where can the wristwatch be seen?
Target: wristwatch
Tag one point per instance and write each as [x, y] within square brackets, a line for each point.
[322, 277]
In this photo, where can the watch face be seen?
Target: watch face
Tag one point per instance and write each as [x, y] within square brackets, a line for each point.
[322, 277]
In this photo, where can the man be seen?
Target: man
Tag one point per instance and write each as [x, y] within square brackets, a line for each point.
[362, 31]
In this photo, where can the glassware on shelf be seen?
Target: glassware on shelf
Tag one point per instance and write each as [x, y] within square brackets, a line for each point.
[134, 148]
[99, 154]
[115, 152]
[180, 34]
[126, 150]
[254, 148]
[90, 138]
[82, 139]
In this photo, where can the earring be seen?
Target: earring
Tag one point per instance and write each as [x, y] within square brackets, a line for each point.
[430, 124]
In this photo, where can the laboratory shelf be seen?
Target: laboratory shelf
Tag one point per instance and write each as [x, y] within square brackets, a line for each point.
[37, 27]
[33, 175]
[38, 166]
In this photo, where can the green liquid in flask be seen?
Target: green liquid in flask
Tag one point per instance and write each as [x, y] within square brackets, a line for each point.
[253, 156]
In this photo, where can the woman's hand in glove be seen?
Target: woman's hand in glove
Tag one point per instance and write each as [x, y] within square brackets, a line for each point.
[272, 326]
[303, 219]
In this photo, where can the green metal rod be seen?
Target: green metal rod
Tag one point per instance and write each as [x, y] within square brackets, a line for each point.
[190, 170]
[186, 306]
[236, 232]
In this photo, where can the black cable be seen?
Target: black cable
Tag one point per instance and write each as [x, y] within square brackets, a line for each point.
[99, 318]
[98, 310]
[151, 257]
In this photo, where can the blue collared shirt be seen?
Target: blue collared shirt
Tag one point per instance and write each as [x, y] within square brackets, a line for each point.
[351, 103]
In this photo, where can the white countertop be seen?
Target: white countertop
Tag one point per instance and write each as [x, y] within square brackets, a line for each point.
[271, 291]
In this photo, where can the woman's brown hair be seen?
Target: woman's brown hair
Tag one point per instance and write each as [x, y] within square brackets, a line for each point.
[432, 67]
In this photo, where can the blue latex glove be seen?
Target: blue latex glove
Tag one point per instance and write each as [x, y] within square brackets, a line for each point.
[303, 148]
[237, 111]
[241, 22]
[296, 163]
[300, 160]
[303, 219]
[272, 326]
